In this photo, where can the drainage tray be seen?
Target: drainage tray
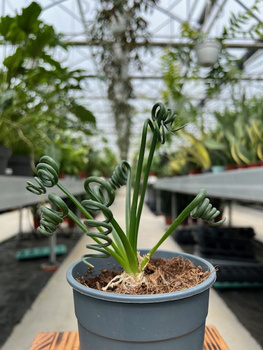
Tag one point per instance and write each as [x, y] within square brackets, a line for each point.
[229, 285]
[41, 252]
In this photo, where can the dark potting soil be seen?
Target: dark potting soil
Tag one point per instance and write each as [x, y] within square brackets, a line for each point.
[160, 276]
[23, 280]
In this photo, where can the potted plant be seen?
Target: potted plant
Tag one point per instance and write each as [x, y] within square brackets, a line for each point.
[196, 152]
[207, 52]
[114, 316]
[207, 49]
[218, 152]
[238, 133]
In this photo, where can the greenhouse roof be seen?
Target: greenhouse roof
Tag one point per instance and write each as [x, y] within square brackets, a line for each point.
[73, 18]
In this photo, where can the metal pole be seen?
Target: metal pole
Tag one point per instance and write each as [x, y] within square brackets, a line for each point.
[20, 226]
[230, 213]
[53, 241]
[158, 201]
[174, 208]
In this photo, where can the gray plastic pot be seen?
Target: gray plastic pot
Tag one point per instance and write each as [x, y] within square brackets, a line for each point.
[170, 321]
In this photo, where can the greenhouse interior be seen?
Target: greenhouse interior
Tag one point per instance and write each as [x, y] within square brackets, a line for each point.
[131, 174]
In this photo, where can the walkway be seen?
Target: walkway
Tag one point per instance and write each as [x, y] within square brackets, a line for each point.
[53, 309]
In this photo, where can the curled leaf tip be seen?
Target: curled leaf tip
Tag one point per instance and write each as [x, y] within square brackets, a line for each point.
[206, 211]
[163, 120]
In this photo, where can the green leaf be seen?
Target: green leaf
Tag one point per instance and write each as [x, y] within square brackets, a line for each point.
[14, 61]
[49, 59]
[5, 24]
[28, 20]
[6, 100]
[87, 132]
[243, 153]
[214, 145]
[83, 114]
[10, 30]
[260, 151]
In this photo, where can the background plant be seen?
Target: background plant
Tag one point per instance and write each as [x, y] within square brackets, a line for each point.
[175, 76]
[240, 129]
[234, 138]
[39, 97]
[225, 72]
[101, 162]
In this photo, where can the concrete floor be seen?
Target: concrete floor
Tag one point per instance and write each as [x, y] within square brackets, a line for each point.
[53, 309]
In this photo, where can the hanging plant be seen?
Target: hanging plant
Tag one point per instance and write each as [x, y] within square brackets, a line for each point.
[208, 52]
[118, 28]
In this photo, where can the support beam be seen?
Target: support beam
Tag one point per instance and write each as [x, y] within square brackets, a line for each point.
[251, 51]
[229, 44]
[181, 43]
[160, 77]
[206, 12]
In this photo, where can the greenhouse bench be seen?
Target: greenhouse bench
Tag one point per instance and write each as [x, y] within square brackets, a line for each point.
[70, 341]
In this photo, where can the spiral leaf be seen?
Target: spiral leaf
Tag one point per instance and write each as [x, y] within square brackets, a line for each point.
[96, 192]
[47, 171]
[50, 218]
[101, 192]
[207, 212]
[38, 188]
[120, 175]
[92, 205]
[162, 119]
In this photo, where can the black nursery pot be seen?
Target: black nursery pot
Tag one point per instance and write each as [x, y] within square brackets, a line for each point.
[20, 165]
[5, 153]
[232, 243]
[110, 321]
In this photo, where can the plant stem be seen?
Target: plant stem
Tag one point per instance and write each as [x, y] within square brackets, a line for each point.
[128, 202]
[181, 217]
[130, 255]
[128, 260]
[75, 201]
[144, 185]
[136, 190]
[122, 261]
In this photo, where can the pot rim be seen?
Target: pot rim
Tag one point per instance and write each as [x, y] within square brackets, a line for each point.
[153, 298]
[210, 43]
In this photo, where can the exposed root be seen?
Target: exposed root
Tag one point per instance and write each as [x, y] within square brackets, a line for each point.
[126, 281]
[159, 276]
[140, 260]
[129, 281]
